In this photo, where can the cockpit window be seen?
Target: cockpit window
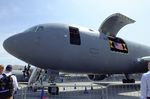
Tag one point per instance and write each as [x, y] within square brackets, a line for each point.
[39, 28]
[32, 29]
[35, 29]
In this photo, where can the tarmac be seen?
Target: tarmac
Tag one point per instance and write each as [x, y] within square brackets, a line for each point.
[85, 90]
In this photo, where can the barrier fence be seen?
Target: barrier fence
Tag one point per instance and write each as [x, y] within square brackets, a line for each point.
[94, 91]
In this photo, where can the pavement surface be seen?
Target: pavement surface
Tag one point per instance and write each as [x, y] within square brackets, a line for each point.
[84, 90]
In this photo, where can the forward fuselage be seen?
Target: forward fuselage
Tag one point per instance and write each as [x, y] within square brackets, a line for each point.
[74, 49]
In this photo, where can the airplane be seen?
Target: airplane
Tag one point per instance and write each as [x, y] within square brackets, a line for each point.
[68, 48]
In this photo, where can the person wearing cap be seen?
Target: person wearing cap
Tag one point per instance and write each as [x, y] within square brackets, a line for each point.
[145, 84]
[8, 72]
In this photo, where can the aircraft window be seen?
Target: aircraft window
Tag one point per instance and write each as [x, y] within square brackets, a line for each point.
[32, 29]
[117, 45]
[39, 28]
[74, 36]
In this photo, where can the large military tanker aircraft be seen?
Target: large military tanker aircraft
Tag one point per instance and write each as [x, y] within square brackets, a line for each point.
[74, 49]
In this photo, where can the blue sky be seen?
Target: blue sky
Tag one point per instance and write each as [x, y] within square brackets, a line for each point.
[18, 15]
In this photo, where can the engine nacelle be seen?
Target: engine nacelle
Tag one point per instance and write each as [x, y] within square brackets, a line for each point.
[97, 77]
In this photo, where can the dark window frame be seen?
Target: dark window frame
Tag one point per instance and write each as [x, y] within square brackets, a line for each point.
[39, 28]
[123, 46]
[74, 36]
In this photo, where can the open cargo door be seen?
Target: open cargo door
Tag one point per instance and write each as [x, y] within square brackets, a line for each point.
[114, 23]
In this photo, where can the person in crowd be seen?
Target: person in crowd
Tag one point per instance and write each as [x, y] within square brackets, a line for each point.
[145, 84]
[6, 85]
[8, 73]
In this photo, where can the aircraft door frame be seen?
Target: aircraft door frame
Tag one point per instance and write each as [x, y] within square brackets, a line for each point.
[117, 44]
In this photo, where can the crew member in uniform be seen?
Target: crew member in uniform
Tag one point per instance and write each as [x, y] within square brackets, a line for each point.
[145, 84]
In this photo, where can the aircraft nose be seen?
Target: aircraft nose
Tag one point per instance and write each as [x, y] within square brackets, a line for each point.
[8, 44]
[11, 44]
[21, 44]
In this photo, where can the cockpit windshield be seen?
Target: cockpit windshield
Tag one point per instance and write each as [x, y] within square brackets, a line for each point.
[35, 29]
[39, 28]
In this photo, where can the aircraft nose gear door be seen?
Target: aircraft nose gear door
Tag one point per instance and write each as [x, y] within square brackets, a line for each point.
[114, 23]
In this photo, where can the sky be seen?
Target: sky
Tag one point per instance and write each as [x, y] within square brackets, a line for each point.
[19, 15]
